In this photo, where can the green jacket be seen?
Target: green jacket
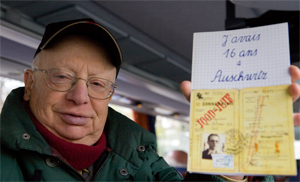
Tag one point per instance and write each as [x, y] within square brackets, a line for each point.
[130, 155]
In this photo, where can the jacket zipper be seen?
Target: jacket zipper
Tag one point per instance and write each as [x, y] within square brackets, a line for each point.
[62, 161]
[101, 166]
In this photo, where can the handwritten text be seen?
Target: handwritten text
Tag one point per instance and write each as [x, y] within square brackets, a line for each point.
[239, 77]
[240, 39]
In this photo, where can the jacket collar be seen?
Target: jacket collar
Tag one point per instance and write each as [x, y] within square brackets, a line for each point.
[17, 130]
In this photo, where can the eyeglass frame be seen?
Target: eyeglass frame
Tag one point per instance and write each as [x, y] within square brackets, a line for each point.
[113, 85]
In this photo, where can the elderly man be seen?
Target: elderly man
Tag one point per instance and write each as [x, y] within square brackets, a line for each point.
[60, 128]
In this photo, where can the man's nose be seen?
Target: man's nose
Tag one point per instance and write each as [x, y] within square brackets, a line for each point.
[79, 92]
[214, 142]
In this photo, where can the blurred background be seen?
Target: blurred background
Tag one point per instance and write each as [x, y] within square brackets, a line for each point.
[156, 41]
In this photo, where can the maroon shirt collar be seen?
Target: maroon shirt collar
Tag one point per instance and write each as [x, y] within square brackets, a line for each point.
[79, 156]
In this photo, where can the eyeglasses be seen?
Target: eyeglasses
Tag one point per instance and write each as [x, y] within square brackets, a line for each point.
[62, 81]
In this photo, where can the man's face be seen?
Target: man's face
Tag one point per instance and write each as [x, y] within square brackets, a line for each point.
[72, 115]
[213, 142]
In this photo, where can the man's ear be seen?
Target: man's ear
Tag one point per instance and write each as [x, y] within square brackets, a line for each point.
[111, 96]
[28, 80]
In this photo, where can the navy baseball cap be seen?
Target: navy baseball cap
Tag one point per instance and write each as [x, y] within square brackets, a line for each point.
[87, 27]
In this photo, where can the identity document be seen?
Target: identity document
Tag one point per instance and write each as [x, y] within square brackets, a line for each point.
[241, 118]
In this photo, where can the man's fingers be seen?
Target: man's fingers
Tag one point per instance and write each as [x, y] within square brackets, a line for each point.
[296, 119]
[295, 73]
[185, 87]
[295, 91]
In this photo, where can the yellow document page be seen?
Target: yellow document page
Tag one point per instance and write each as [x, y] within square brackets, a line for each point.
[267, 124]
[249, 132]
[214, 114]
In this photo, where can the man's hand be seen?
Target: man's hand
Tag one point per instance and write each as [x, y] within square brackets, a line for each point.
[186, 88]
[294, 90]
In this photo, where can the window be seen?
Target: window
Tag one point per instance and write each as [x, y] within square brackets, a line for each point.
[171, 135]
[123, 110]
[6, 86]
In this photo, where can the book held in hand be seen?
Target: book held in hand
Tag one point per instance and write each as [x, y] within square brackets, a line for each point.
[241, 118]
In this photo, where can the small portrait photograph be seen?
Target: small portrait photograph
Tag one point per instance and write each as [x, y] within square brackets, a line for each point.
[212, 144]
